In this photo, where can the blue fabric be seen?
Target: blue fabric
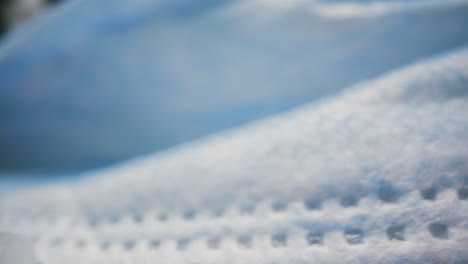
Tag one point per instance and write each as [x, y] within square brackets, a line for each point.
[95, 82]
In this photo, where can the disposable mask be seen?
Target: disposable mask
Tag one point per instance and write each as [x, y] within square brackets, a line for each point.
[374, 173]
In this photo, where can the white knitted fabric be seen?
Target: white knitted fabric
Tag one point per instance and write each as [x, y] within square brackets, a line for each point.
[377, 173]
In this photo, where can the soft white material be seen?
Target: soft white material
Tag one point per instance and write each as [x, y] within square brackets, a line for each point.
[78, 84]
[377, 174]
[15, 249]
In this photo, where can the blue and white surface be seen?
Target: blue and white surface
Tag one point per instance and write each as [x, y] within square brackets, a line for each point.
[373, 169]
[96, 82]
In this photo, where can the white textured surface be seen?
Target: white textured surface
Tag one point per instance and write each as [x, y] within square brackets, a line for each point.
[15, 249]
[339, 172]
[93, 74]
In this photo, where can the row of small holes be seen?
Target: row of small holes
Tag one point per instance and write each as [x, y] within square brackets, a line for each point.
[386, 193]
[353, 236]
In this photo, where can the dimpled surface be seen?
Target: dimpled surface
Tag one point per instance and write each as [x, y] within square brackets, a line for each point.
[376, 172]
[242, 196]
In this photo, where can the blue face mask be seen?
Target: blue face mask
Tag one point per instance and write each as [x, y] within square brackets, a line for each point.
[374, 173]
[116, 79]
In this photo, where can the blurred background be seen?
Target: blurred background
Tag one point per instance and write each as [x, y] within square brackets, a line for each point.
[13, 12]
[88, 84]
